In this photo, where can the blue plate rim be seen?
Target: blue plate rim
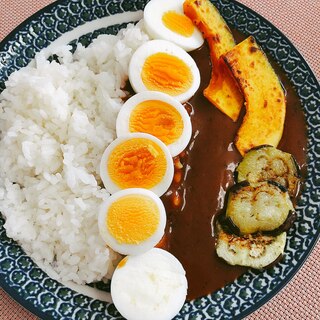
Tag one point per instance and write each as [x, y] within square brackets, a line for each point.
[26, 21]
[38, 312]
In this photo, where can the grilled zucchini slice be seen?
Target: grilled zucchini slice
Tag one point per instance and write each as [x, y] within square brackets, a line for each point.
[254, 250]
[268, 163]
[262, 207]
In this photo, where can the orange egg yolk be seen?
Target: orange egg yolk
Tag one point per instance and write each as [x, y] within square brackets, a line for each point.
[137, 163]
[157, 118]
[166, 73]
[178, 23]
[123, 262]
[133, 219]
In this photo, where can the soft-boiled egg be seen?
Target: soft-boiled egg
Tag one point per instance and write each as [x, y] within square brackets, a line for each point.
[164, 19]
[132, 221]
[158, 114]
[150, 286]
[137, 160]
[160, 65]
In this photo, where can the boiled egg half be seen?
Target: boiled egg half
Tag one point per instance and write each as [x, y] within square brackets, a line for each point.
[150, 286]
[160, 65]
[158, 114]
[132, 221]
[137, 160]
[164, 19]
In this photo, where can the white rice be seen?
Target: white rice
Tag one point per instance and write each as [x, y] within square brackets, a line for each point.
[56, 120]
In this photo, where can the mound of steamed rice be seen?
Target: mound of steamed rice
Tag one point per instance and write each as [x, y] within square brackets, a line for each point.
[56, 119]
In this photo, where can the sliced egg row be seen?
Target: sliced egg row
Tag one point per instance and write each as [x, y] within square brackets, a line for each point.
[163, 64]
[163, 75]
[137, 167]
[149, 283]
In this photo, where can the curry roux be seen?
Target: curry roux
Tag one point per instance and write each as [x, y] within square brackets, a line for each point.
[197, 193]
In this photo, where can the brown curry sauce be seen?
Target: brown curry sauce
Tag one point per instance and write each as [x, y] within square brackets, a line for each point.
[198, 193]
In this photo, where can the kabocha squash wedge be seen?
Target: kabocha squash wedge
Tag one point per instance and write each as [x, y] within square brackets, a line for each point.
[222, 91]
[264, 97]
[212, 25]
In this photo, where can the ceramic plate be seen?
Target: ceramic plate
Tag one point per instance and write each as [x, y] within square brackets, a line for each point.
[47, 298]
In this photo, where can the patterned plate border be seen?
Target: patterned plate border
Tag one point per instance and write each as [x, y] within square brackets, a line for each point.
[47, 298]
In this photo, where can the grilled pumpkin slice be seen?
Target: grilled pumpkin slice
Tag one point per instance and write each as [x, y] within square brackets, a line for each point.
[264, 96]
[263, 207]
[253, 250]
[223, 91]
[268, 163]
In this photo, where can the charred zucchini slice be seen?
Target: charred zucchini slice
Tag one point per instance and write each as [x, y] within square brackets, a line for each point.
[268, 163]
[256, 251]
[264, 206]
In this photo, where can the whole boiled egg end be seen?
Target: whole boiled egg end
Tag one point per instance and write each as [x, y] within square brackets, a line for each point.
[152, 285]
[166, 20]
[132, 221]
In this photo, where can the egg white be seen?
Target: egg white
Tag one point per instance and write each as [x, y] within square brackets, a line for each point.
[123, 119]
[131, 249]
[150, 286]
[158, 189]
[161, 46]
[153, 13]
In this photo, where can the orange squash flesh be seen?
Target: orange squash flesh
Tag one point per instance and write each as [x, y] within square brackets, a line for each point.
[222, 91]
[264, 96]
